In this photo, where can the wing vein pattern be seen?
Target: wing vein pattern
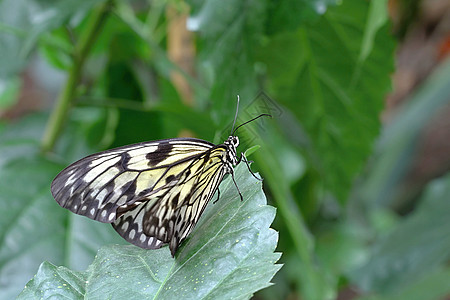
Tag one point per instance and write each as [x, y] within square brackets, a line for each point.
[153, 193]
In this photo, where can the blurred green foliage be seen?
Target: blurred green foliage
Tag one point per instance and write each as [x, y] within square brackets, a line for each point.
[321, 68]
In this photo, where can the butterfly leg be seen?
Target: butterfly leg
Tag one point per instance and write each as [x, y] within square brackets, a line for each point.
[218, 196]
[240, 195]
[248, 165]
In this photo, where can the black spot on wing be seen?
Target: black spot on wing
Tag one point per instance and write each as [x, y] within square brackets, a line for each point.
[122, 164]
[175, 200]
[151, 226]
[163, 151]
[127, 227]
[174, 244]
[170, 178]
[145, 192]
[121, 210]
[131, 189]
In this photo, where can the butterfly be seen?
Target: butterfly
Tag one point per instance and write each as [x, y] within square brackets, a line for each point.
[154, 192]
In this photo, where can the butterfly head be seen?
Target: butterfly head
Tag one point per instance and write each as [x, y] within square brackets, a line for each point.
[232, 143]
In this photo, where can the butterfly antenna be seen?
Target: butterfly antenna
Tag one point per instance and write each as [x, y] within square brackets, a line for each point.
[235, 116]
[261, 115]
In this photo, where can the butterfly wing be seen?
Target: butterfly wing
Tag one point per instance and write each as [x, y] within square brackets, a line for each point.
[153, 193]
[168, 215]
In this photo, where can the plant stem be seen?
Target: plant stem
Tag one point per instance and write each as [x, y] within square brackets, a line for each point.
[65, 98]
[314, 283]
[124, 12]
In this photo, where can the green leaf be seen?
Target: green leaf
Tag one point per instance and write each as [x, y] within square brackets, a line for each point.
[400, 144]
[409, 262]
[288, 15]
[9, 92]
[20, 139]
[23, 22]
[230, 254]
[58, 52]
[333, 75]
[314, 284]
[25, 237]
[251, 150]
[414, 250]
[433, 286]
[229, 31]
[33, 226]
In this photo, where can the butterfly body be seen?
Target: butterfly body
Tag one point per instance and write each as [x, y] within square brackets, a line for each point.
[153, 193]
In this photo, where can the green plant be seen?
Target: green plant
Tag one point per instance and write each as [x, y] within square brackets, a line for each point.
[320, 68]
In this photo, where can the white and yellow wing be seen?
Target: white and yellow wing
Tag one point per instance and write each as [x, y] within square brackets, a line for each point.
[153, 193]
